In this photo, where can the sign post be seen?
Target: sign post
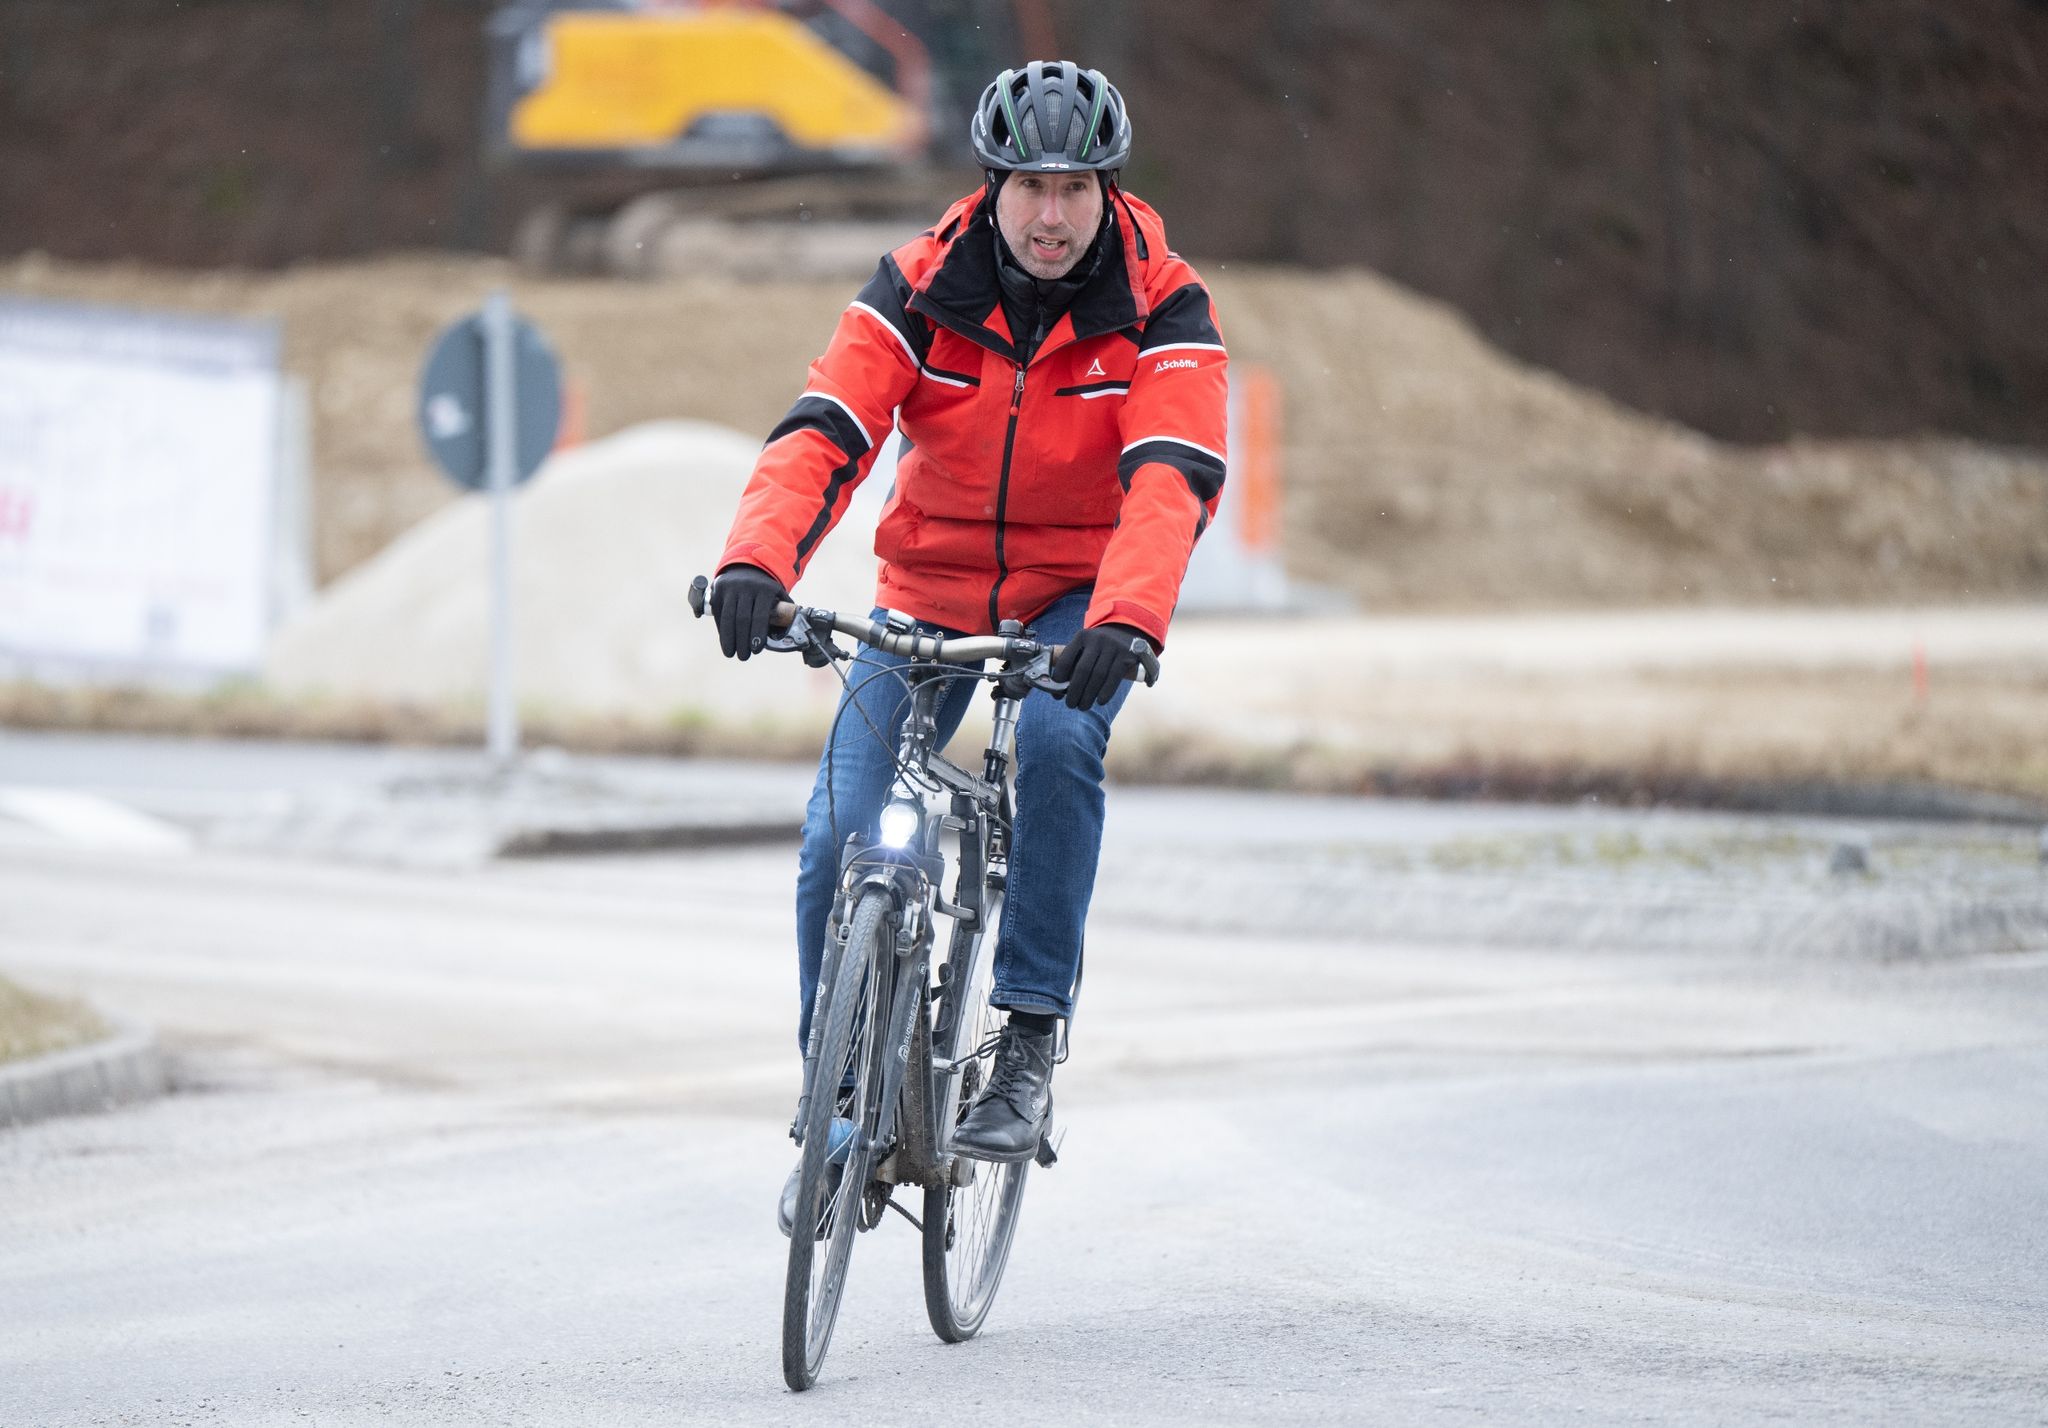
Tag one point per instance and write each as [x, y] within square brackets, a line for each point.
[501, 389]
[490, 404]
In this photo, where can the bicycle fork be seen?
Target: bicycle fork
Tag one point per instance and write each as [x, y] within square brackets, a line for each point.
[909, 974]
[901, 972]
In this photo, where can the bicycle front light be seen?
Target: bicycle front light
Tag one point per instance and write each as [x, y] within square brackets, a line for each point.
[900, 822]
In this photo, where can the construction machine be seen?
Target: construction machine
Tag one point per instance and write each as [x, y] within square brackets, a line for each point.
[656, 127]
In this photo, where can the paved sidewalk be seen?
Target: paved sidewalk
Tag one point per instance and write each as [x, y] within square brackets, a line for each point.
[429, 809]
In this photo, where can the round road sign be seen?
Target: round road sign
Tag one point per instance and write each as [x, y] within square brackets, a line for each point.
[451, 401]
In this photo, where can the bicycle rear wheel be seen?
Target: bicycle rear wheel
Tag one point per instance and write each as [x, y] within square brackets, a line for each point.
[968, 1228]
[846, 1083]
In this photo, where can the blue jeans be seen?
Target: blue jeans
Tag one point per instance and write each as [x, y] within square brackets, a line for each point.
[1057, 840]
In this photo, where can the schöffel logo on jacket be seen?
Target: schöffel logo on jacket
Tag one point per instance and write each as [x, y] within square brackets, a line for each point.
[1176, 362]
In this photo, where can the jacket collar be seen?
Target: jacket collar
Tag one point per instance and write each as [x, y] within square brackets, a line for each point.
[964, 291]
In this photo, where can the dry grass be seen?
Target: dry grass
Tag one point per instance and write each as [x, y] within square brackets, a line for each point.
[1714, 738]
[34, 1025]
[1717, 737]
[253, 712]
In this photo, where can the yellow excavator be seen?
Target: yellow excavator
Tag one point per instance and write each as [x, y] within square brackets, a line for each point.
[650, 119]
[744, 85]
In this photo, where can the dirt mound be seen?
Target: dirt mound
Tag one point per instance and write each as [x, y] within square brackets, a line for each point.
[1424, 469]
[1428, 471]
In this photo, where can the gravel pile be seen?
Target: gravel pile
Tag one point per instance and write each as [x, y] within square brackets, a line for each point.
[606, 539]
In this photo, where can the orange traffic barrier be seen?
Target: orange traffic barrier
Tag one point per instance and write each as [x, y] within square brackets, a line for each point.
[574, 415]
[1258, 484]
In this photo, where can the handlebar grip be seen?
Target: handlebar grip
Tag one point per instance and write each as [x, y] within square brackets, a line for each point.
[701, 586]
[1148, 662]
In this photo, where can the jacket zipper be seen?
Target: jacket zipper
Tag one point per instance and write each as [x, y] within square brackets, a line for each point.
[1003, 499]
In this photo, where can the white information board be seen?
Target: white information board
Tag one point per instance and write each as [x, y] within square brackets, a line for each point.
[139, 458]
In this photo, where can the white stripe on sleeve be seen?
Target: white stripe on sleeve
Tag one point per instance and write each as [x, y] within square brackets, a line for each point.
[858, 424]
[1177, 441]
[901, 340]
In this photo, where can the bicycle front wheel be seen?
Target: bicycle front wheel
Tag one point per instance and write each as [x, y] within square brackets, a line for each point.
[968, 1228]
[841, 1117]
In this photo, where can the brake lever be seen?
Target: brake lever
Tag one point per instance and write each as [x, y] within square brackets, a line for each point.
[823, 650]
[796, 635]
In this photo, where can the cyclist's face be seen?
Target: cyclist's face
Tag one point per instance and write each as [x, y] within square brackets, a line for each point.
[1049, 219]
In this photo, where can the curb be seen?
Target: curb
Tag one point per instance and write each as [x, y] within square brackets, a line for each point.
[126, 1067]
[543, 842]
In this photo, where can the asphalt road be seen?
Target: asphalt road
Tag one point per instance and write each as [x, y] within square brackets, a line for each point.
[502, 1147]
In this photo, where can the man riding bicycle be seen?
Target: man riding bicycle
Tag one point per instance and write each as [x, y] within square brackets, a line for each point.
[1059, 381]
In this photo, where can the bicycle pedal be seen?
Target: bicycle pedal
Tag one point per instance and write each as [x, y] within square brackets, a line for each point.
[1048, 1154]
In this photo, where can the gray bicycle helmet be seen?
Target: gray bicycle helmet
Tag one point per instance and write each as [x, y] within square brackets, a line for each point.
[1051, 116]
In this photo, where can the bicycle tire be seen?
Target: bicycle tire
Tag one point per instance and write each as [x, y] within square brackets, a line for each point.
[968, 1229]
[828, 1212]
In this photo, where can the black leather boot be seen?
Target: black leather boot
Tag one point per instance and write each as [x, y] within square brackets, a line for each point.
[1008, 1118]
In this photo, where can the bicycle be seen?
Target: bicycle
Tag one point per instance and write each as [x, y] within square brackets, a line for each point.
[898, 1046]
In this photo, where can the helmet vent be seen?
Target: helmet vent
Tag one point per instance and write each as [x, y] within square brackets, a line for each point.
[1051, 116]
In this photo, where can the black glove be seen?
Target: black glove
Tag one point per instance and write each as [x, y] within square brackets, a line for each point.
[1096, 661]
[742, 598]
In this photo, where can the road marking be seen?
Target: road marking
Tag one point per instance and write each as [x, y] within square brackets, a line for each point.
[92, 820]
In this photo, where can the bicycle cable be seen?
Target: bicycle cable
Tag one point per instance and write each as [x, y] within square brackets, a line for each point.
[852, 700]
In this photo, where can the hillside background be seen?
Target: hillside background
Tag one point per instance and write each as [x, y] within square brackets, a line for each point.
[1824, 218]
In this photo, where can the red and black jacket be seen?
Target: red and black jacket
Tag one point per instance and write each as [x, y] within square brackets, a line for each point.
[1098, 462]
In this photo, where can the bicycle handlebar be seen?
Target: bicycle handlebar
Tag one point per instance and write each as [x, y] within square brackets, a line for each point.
[918, 644]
